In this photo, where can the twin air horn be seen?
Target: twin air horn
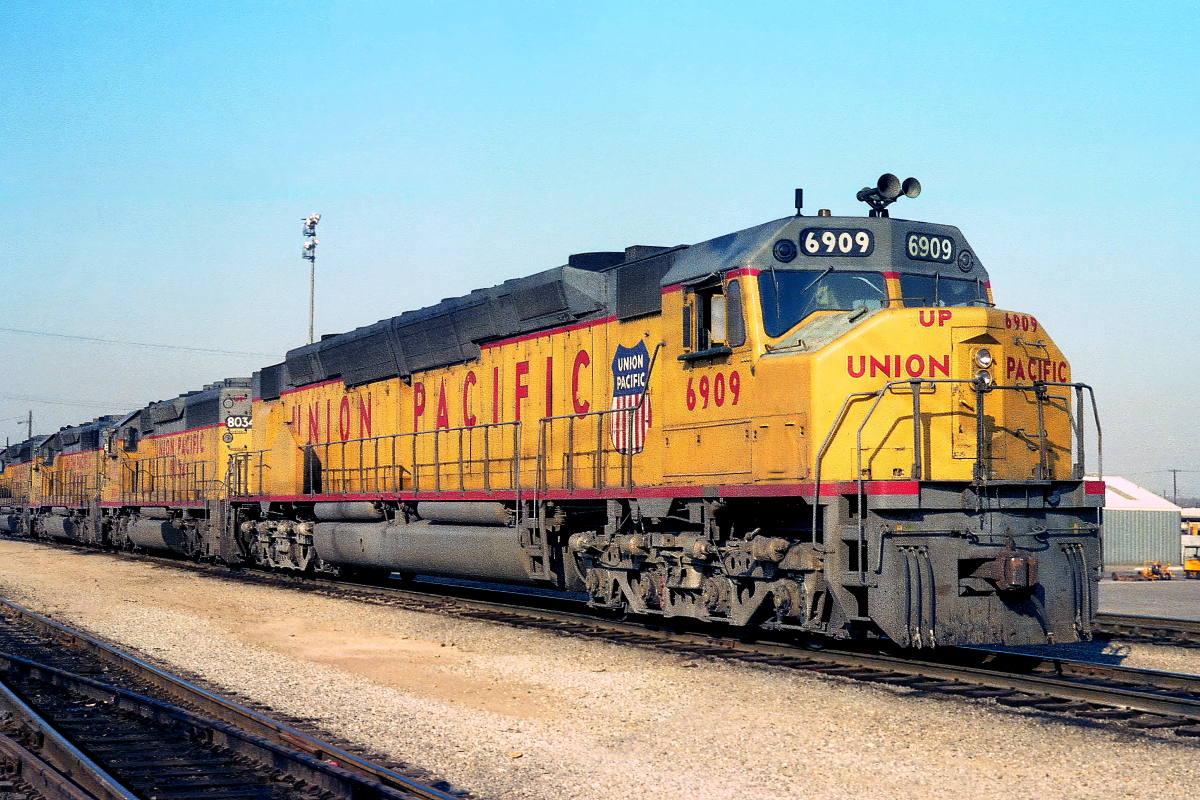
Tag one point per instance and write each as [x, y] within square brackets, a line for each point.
[887, 191]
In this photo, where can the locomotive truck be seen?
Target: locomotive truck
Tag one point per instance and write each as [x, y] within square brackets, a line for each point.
[817, 424]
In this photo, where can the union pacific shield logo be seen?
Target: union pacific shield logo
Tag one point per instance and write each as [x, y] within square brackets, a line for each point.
[631, 376]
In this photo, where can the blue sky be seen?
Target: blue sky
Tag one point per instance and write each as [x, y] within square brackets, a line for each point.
[156, 160]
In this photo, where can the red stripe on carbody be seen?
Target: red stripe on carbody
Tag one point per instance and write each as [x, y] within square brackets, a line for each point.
[177, 433]
[155, 504]
[737, 273]
[872, 488]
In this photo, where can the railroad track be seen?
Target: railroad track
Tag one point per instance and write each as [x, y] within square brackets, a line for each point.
[79, 722]
[1159, 630]
[1092, 693]
[1087, 692]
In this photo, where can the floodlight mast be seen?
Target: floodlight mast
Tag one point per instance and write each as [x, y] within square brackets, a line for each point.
[308, 251]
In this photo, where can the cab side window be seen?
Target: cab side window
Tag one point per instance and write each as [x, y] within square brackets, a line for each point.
[710, 317]
[713, 317]
[736, 324]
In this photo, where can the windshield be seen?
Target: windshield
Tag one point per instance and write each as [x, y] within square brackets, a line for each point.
[933, 290]
[789, 297]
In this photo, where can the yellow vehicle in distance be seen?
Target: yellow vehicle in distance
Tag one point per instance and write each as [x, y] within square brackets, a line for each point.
[1190, 544]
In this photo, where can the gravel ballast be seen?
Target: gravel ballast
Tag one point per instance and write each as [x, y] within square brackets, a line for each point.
[510, 713]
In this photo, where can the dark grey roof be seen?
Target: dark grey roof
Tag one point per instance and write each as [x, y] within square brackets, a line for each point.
[78, 438]
[185, 412]
[754, 248]
[590, 286]
[23, 451]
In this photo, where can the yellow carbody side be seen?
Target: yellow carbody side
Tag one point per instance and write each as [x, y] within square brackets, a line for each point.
[757, 415]
[15, 482]
[185, 467]
[72, 479]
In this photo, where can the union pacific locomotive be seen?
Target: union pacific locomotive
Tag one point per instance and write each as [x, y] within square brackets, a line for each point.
[818, 424]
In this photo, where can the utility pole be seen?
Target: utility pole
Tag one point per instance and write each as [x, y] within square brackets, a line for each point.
[1175, 485]
[309, 252]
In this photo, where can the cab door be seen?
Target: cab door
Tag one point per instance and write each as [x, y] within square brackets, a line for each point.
[708, 433]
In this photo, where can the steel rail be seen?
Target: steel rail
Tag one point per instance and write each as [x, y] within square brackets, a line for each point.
[1064, 687]
[1169, 695]
[228, 714]
[317, 772]
[65, 772]
[1072, 679]
[1174, 630]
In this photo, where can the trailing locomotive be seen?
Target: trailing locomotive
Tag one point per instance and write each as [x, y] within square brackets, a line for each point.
[819, 424]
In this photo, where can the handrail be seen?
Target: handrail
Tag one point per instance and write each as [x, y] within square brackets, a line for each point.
[821, 454]
[541, 480]
[979, 473]
[1079, 387]
[627, 465]
[170, 479]
[414, 469]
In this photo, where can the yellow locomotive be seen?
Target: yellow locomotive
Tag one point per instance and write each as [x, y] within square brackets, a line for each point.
[818, 424]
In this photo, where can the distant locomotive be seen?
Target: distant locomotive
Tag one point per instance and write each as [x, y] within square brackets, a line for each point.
[818, 424]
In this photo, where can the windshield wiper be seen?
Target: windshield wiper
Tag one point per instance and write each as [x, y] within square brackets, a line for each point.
[808, 305]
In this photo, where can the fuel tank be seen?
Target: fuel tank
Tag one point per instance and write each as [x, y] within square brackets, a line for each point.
[468, 513]
[153, 534]
[352, 511]
[490, 553]
[57, 526]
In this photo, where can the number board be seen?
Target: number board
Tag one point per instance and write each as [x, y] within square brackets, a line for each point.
[241, 421]
[930, 247]
[836, 242]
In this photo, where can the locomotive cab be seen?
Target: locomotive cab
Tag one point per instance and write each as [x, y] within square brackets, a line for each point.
[937, 442]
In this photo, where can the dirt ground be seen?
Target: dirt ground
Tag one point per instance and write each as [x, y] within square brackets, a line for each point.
[508, 713]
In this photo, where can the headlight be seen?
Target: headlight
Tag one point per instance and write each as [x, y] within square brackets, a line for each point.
[983, 380]
[983, 358]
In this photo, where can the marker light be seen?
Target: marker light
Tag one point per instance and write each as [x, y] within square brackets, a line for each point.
[984, 358]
